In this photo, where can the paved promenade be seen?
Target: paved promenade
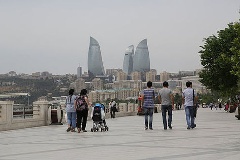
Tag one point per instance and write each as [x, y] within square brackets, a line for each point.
[217, 136]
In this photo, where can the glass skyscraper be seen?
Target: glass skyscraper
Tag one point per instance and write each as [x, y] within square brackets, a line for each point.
[128, 60]
[141, 60]
[95, 64]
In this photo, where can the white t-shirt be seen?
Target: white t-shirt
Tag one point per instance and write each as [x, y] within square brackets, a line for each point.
[188, 96]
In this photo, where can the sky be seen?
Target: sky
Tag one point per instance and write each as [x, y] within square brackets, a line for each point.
[54, 35]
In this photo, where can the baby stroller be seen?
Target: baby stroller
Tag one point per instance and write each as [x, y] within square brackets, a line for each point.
[98, 117]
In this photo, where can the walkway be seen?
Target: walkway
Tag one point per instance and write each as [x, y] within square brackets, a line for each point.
[217, 136]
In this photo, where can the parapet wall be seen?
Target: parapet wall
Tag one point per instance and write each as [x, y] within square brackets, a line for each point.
[7, 122]
[43, 114]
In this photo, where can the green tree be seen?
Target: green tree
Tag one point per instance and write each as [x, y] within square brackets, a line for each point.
[220, 59]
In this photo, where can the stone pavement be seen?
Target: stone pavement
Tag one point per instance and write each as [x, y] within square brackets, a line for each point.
[217, 136]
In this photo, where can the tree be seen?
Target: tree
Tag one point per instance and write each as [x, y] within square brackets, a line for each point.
[220, 60]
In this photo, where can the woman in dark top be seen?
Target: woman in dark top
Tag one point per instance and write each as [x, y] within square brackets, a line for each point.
[81, 105]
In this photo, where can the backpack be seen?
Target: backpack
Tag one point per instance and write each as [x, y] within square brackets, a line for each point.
[81, 103]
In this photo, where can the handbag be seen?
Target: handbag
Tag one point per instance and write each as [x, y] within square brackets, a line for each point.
[194, 106]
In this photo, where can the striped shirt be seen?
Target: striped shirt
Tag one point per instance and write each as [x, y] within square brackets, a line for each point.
[149, 95]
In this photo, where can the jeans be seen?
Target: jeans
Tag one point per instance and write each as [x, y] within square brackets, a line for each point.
[82, 119]
[148, 113]
[71, 119]
[189, 116]
[112, 111]
[165, 109]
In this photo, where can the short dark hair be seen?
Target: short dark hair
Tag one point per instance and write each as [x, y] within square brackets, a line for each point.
[149, 84]
[188, 83]
[83, 92]
[71, 91]
[165, 84]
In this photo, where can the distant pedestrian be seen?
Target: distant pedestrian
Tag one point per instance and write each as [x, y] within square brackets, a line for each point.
[211, 105]
[220, 106]
[166, 99]
[71, 111]
[188, 99]
[148, 105]
[113, 108]
[81, 105]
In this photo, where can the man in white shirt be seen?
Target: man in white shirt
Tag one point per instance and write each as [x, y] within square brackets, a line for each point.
[188, 99]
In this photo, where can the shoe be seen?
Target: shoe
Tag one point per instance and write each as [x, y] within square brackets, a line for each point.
[79, 130]
[194, 126]
[170, 127]
[151, 128]
[165, 128]
[84, 131]
[73, 130]
[69, 129]
[146, 128]
[188, 127]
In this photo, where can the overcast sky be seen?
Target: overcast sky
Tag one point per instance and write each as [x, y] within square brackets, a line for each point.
[54, 35]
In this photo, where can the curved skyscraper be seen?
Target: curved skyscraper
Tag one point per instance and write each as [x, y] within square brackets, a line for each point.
[128, 60]
[141, 60]
[95, 64]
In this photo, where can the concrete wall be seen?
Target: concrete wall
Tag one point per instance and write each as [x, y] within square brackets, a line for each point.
[6, 116]
[42, 114]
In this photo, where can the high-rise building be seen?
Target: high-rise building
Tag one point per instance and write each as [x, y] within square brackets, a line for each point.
[141, 60]
[79, 72]
[128, 60]
[95, 64]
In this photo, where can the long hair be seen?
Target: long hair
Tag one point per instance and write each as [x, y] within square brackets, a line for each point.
[70, 93]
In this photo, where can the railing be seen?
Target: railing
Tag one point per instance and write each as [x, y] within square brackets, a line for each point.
[22, 111]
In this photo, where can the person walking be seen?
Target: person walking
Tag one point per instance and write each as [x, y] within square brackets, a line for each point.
[113, 109]
[148, 96]
[188, 99]
[166, 99]
[81, 105]
[71, 111]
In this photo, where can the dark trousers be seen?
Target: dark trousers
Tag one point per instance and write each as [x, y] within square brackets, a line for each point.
[165, 109]
[82, 119]
[112, 111]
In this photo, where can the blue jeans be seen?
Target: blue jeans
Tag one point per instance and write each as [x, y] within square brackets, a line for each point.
[71, 119]
[189, 116]
[165, 109]
[148, 113]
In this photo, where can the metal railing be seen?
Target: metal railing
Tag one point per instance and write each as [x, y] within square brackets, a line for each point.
[21, 111]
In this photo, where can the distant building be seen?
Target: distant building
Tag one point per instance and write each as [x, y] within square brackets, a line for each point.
[164, 76]
[97, 84]
[80, 84]
[136, 76]
[128, 60]
[121, 76]
[196, 84]
[151, 75]
[12, 74]
[141, 60]
[95, 63]
[79, 72]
